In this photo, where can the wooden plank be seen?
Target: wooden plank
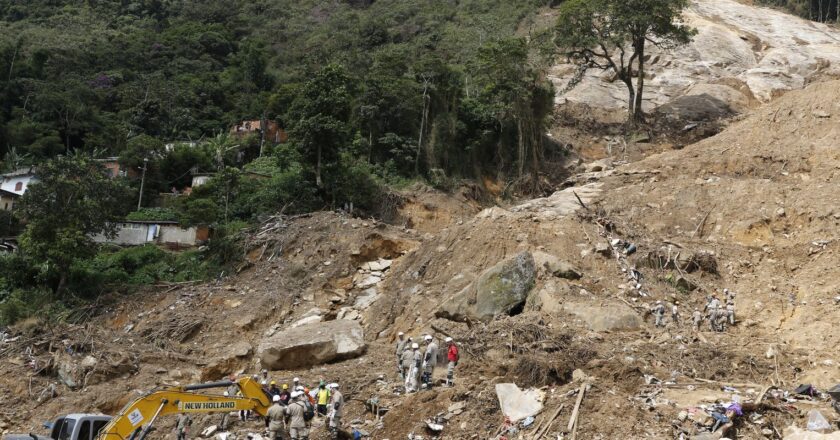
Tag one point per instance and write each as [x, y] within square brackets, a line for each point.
[576, 410]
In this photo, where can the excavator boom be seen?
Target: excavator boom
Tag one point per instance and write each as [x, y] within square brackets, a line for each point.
[135, 420]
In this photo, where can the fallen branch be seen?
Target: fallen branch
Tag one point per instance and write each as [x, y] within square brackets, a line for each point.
[702, 222]
[576, 411]
[580, 201]
[549, 422]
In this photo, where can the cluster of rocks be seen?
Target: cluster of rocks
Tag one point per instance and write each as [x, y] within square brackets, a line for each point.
[371, 273]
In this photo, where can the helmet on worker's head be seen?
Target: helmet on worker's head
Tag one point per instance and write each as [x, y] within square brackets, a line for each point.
[428, 337]
[264, 371]
[276, 398]
[227, 394]
[400, 334]
[332, 386]
[415, 346]
[296, 380]
[285, 386]
[273, 382]
[659, 302]
[725, 290]
[448, 339]
[296, 394]
[299, 388]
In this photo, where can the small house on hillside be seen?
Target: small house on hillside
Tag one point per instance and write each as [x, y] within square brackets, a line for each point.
[199, 179]
[114, 169]
[273, 133]
[17, 181]
[160, 232]
[8, 200]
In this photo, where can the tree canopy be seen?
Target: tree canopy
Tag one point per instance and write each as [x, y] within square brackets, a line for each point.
[72, 200]
[613, 34]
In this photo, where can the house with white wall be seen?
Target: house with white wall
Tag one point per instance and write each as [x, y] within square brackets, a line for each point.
[8, 200]
[163, 233]
[17, 181]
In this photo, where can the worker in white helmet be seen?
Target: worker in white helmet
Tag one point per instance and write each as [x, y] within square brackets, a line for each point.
[276, 418]
[298, 429]
[401, 343]
[336, 410]
[429, 360]
[414, 369]
[406, 358]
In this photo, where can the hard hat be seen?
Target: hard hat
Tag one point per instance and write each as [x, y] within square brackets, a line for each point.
[299, 388]
[332, 385]
[276, 398]
[285, 386]
[227, 394]
[725, 290]
[273, 383]
[265, 371]
[659, 302]
[415, 346]
[428, 337]
[400, 334]
[448, 339]
[296, 394]
[297, 379]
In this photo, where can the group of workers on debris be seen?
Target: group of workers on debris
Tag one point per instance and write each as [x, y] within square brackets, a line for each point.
[718, 314]
[292, 409]
[417, 368]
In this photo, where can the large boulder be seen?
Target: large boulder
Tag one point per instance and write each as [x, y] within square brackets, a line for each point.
[502, 289]
[608, 317]
[555, 266]
[312, 344]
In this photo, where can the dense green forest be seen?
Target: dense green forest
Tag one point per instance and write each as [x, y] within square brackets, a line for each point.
[122, 78]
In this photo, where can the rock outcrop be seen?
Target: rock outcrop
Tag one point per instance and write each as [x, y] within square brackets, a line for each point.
[742, 55]
[502, 289]
[312, 344]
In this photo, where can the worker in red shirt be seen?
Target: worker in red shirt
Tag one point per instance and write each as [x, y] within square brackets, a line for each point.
[452, 356]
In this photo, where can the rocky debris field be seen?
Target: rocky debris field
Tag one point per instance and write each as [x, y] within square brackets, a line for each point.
[549, 299]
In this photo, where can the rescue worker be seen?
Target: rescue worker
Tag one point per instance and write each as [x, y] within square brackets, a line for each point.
[297, 423]
[728, 295]
[730, 312]
[429, 360]
[264, 380]
[713, 306]
[697, 318]
[675, 313]
[336, 409]
[659, 313]
[273, 390]
[452, 357]
[295, 383]
[401, 341]
[183, 426]
[276, 418]
[285, 395]
[405, 360]
[323, 398]
[414, 369]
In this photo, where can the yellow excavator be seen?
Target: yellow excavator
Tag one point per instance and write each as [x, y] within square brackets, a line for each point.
[135, 420]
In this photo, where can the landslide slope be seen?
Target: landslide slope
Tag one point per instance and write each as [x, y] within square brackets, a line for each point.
[769, 190]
